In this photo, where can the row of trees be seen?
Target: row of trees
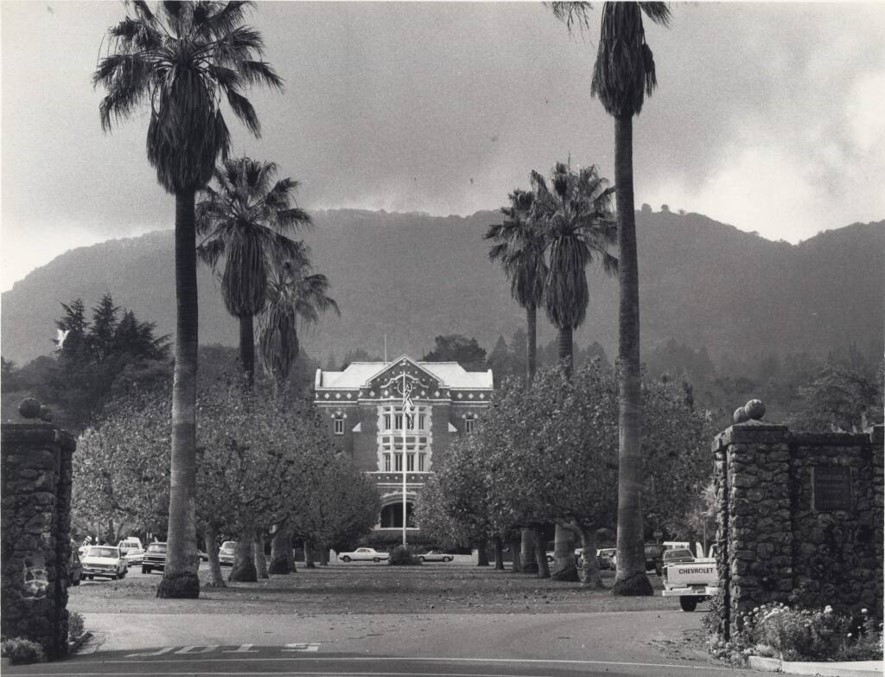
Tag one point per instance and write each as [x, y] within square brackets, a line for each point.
[547, 454]
[186, 59]
[265, 464]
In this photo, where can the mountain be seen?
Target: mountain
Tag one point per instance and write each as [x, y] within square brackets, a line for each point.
[413, 276]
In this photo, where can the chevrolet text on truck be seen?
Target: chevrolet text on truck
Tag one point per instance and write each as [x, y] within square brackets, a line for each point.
[691, 582]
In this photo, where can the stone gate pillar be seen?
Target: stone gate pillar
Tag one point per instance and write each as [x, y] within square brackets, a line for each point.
[36, 539]
[755, 541]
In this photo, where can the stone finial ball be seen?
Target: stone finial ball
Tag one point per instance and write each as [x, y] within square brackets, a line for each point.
[29, 408]
[755, 409]
[740, 415]
[45, 413]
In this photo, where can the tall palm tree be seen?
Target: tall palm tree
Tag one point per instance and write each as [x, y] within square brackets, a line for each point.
[182, 60]
[624, 74]
[580, 227]
[295, 297]
[519, 246]
[245, 220]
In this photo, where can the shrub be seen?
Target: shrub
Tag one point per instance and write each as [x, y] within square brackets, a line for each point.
[76, 626]
[401, 556]
[800, 634]
[22, 651]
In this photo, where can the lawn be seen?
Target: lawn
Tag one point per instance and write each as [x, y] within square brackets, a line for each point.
[367, 588]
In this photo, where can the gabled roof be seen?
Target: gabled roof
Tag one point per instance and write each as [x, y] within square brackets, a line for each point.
[450, 374]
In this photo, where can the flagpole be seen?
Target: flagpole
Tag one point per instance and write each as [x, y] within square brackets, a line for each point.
[404, 458]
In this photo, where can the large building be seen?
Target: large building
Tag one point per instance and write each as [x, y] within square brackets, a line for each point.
[363, 407]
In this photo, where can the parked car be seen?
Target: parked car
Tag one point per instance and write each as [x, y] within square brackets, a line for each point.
[75, 567]
[154, 558]
[363, 555]
[608, 558]
[653, 557]
[226, 553]
[677, 556]
[103, 561]
[435, 556]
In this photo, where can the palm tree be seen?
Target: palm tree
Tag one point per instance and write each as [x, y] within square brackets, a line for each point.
[624, 74]
[519, 246]
[579, 228]
[295, 296]
[181, 60]
[245, 222]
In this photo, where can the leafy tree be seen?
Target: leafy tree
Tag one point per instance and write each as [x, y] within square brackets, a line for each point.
[245, 219]
[623, 75]
[182, 59]
[457, 348]
[526, 452]
[579, 227]
[839, 399]
[519, 247]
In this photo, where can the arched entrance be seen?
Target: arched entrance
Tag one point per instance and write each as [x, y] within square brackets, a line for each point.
[392, 515]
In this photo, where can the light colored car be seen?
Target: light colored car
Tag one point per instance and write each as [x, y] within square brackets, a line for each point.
[103, 561]
[226, 553]
[609, 555]
[363, 555]
[435, 556]
[132, 550]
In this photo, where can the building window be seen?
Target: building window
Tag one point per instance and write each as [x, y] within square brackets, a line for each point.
[421, 464]
[422, 422]
[387, 421]
[339, 426]
[387, 462]
[398, 422]
[469, 425]
[410, 463]
[398, 458]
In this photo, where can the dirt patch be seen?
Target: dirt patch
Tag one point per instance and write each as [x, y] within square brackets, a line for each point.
[366, 588]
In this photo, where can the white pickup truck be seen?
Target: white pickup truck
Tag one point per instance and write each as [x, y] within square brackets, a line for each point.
[691, 582]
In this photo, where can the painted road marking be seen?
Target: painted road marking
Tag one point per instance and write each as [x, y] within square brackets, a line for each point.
[302, 647]
[243, 648]
[197, 649]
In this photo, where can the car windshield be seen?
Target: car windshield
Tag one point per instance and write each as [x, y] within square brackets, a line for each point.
[677, 554]
[99, 551]
[157, 547]
[227, 547]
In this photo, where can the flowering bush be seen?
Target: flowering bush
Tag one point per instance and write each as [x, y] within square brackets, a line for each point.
[801, 634]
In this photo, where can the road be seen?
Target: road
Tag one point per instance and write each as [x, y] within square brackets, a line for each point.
[491, 645]
[439, 620]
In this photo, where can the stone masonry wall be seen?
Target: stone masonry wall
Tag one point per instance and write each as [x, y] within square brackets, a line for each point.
[776, 541]
[36, 540]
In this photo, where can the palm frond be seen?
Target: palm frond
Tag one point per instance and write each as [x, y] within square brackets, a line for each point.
[261, 72]
[572, 14]
[243, 109]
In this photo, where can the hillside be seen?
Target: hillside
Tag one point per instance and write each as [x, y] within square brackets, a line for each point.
[413, 276]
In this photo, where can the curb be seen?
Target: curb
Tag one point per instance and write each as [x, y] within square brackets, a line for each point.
[843, 669]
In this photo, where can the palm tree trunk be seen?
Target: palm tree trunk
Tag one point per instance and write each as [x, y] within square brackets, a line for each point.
[180, 578]
[630, 578]
[543, 570]
[565, 350]
[529, 556]
[281, 558]
[247, 349]
[324, 556]
[531, 317]
[308, 556]
[243, 570]
[564, 567]
[212, 552]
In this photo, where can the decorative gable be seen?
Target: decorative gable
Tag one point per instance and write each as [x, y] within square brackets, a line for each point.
[388, 383]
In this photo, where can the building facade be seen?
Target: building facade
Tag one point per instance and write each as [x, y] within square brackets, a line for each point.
[363, 408]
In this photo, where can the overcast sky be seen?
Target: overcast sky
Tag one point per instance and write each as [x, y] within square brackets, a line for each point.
[769, 117]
